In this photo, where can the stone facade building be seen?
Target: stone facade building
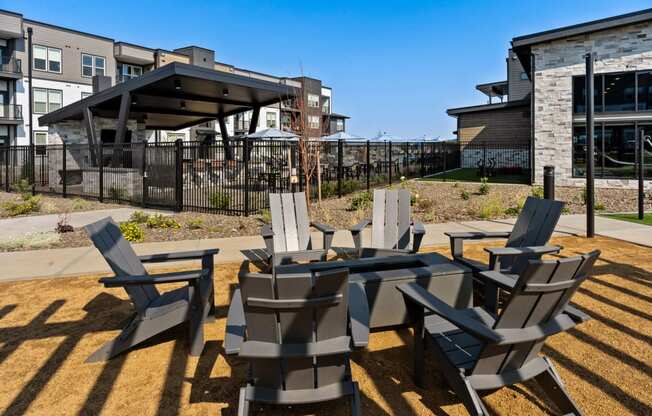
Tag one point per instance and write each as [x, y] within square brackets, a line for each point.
[549, 93]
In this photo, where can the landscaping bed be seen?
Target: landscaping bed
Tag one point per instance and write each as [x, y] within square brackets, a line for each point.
[433, 202]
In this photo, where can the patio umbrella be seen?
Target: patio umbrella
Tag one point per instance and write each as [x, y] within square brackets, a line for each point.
[271, 134]
[342, 136]
[385, 137]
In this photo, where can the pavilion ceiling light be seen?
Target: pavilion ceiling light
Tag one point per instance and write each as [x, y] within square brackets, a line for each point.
[177, 84]
[183, 104]
[225, 92]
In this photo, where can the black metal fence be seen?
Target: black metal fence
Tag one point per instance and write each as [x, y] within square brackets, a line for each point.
[204, 177]
[489, 158]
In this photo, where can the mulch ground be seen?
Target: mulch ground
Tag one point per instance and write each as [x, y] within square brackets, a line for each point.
[49, 327]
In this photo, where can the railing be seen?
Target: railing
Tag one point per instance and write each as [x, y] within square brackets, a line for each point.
[234, 179]
[11, 65]
[11, 112]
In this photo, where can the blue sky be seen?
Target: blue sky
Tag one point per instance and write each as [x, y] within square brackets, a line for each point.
[393, 66]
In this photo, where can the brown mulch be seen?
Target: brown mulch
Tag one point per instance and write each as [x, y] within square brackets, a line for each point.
[48, 328]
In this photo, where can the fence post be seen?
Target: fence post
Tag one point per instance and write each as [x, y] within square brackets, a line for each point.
[8, 158]
[143, 174]
[340, 157]
[178, 169]
[246, 176]
[422, 167]
[641, 175]
[64, 166]
[32, 167]
[549, 182]
[389, 163]
[100, 169]
[368, 166]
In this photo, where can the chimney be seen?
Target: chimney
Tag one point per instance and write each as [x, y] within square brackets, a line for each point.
[101, 83]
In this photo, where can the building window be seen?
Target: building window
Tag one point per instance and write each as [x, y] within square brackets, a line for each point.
[619, 92]
[313, 122]
[86, 94]
[579, 94]
[271, 120]
[128, 72]
[313, 100]
[173, 137]
[40, 138]
[615, 151]
[92, 65]
[46, 100]
[286, 121]
[47, 59]
[644, 91]
[326, 105]
[4, 135]
[339, 125]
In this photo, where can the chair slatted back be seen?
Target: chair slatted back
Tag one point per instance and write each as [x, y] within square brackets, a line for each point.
[540, 294]
[122, 259]
[290, 222]
[300, 325]
[534, 227]
[390, 227]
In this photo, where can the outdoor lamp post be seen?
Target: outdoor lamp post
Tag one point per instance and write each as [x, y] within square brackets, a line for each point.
[590, 148]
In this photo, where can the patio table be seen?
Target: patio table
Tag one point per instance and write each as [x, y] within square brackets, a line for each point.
[450, 281]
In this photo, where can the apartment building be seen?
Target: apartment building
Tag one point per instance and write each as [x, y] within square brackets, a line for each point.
[64, 62]
[542, 100]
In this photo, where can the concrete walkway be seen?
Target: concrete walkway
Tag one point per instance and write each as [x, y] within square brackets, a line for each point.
[16, 227]
[87, 260]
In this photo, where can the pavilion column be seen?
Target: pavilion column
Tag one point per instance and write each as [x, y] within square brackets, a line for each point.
[90, 135]
[228, 151]
[253, 123]
[121, 129]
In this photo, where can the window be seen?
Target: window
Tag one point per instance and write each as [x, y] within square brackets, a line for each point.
[313, 100]
[644, 91]
[313, 122]
[173, 137]
[524, 76]
[86, 94]
[619, 92]
[579, 94]
[46, 100]
[128, 72]
[47, 59]
[92, 65]
[40, 138]
[326, 105]
[615, 151]
[339, 125]
[271, 120]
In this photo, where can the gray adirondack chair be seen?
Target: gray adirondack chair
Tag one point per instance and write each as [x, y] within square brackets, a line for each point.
[297, 331]
[479, 351]
[527, 240]
[287, 239]
[155, 312]
[390, 226]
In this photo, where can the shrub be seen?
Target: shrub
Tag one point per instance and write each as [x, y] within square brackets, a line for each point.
[517, 209]
[118, 193]
[537, 192]
[24, 207]
[63, 226]
[162, 221]
[465, 195]
[361, 201]
[29, 241]
[219, 200]
[23, 188]
[132, 232]
[349, 186]
[425, 204]
[484, 186]
[491, 209]
[266, 215]
[328, 189]
[599, 206]
[195, 223]
[139, 217]
[79, 204]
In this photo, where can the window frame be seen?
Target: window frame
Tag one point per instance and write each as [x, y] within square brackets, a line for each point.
[38, 133]
[602, 83]
[310, 123]
[47, 59]
[274, 119]
[47, 99]
[313, 101]
[93, 64]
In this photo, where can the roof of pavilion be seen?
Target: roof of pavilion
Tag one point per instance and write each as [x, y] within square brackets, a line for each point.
[176, 96]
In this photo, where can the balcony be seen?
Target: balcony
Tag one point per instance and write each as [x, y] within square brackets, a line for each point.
[11, 114]
[11, 68]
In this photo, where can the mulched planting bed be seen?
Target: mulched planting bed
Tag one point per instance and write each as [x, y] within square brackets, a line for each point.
[48, 328]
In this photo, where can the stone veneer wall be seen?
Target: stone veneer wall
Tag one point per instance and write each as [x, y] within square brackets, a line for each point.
[628, 48]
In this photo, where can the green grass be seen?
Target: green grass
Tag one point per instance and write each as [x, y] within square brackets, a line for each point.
[470, 175]
[647, 218]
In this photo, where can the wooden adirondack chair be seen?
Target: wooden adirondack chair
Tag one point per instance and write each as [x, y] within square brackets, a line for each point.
[478, 351]
[390, 226]
[527, 240]
[155, 312]
[287, 239]
[294, 331]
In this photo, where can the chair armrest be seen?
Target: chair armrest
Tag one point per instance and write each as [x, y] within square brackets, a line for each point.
[416, 294]
[268, 237]
[183, 255]
[154, 279]
[500, 280]
[356, 233]
[495, 253]
[324, 228]
[479, 235]
[560, 323]
[359, 226]
[358, 314]
[418, 232]
[235, 325]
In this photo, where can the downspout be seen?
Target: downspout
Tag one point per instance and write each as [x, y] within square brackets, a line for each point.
[532, 131]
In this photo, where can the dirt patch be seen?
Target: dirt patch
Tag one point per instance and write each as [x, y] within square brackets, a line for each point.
[47, 329]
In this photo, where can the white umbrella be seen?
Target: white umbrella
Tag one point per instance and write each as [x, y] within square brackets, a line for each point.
[342, 136]
[269, 134]
[387, 137]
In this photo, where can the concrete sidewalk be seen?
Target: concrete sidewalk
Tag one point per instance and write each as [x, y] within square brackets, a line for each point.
[88, 261]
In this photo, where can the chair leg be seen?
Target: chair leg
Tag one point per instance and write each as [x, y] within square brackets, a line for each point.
[196, 322]
[355, 401]
[472, 400]
[243, 403]
[553, 386]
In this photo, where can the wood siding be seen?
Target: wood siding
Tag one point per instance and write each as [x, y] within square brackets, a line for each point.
[499, 126]
[518, 88]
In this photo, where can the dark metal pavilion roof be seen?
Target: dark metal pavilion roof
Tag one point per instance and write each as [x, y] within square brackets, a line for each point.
[176, 96]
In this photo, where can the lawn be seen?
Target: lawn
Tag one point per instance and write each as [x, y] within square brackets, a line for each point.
[471, 175]
[647, 218]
